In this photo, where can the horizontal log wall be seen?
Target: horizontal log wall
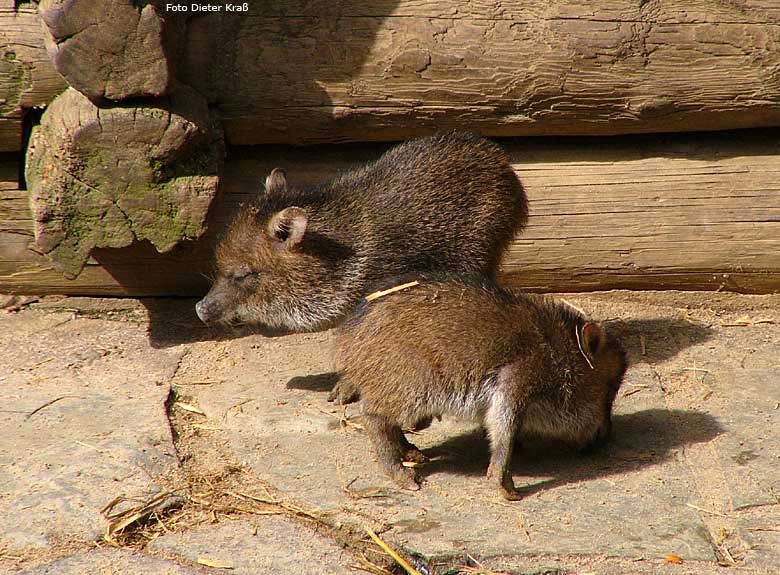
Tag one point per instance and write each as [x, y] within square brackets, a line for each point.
[691, 213]
[27, 77]
[308, 71]
[683, 212]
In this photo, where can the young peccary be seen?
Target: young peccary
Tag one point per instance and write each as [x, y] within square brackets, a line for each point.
[464, 346]
[300, 259]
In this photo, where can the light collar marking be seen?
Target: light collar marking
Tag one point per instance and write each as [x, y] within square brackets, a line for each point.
[378, 294]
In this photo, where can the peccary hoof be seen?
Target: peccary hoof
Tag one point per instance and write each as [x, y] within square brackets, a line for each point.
[343, 393]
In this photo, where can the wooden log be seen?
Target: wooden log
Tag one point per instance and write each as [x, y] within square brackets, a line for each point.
[9, 172]
[307, 71]
[685, 212]
[104, 177]
[137, 270]
[27, 77]
[107, 49]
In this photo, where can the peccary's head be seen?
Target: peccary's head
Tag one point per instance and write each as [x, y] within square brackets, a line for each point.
[588, 367]
[278, 269]
[601, 380]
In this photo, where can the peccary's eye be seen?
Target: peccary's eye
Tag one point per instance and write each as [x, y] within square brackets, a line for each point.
[243, 276]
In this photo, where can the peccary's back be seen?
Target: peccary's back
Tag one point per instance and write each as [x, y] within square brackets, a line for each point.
[447, 202]
[436, 342]
[301, 259]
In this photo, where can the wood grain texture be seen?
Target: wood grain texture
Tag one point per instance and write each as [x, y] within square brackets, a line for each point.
[701, 213]
[698, 211]
[27, 77]
[308, 71]
[305, 71]
[107, 49]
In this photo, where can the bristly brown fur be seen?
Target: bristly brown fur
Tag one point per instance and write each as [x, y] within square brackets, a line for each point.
[461, 345]
[302, 259]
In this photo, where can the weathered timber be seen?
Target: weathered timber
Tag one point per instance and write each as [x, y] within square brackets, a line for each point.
[105, 177]
[699, 211]
[27, 77]
[107, 49]
[308, 71]
[9, 172]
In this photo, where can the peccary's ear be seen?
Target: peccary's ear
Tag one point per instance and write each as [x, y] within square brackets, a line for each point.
[593, 338]
[288, 226]
[276, 181]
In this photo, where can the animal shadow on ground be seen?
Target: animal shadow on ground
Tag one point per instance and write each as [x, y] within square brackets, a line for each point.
[318, 382]
[639, 439]
[657, 340]
[173, 321]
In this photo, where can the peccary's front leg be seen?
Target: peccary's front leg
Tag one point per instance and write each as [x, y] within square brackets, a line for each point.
[390, 450]
[501, 423]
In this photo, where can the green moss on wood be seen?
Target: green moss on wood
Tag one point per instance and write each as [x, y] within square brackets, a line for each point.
[102, 184]
[14, 80]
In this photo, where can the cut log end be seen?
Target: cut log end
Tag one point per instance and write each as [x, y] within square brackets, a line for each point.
[107, 177]
[107, 49]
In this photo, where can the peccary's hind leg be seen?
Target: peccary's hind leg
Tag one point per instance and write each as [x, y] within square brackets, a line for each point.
[343, 392]
[390, 450]
[501, 421]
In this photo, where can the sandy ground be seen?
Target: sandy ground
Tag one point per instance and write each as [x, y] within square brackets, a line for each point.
[137, 440]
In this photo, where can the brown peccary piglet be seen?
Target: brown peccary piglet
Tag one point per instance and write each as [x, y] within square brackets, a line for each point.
[520, 364]
[299, 260]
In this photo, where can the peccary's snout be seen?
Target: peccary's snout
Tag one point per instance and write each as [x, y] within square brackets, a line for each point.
[599, 439]
[218, 305]
[208, 310]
